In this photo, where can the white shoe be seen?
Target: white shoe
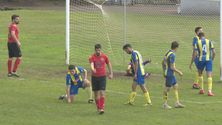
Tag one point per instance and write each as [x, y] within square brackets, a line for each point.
[178, 105]
[165, 106]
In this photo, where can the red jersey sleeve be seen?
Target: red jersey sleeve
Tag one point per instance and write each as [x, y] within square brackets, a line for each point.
[91, 59]
[107, 59]
[14, 27]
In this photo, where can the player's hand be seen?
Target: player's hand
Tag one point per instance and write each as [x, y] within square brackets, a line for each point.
[19, 44]
[135, 76]
[69, 100]
[180, 73]
[164, 76]
[110, 76]
[190, 66]
[94, 71]
[149, 60]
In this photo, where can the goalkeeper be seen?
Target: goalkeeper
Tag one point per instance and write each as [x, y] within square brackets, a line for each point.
[74, 81]
[131, 66]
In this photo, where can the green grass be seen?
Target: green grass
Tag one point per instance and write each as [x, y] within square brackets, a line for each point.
[33, 98]
[151, 35]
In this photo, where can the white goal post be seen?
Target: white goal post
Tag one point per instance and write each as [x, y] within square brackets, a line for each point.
[139, 18]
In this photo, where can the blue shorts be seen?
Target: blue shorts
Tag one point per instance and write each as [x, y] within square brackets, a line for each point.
[207, 64]
[170, 81]
[140, 80]
[196, 61]
[74, 89]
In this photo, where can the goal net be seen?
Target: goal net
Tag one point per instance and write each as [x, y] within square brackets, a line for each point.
[150, 26]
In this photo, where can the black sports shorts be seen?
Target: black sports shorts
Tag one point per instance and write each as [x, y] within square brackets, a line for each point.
[14, 50]
[98, 83]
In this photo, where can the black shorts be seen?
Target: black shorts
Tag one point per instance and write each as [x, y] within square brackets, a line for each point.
[14, 50]
[98, 83]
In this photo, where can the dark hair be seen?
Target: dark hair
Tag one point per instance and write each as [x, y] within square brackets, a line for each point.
[131, 60]
[71, 67]
[174, 45]
[98, 46]
[197, 29]
[200, 35]
[14, 16]
[126, 46]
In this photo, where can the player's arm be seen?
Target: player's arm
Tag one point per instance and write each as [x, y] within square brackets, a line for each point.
[214, 53]
[85, 74]
[14, 37]
[193, 58]
[163, 65]
[110, 70]
[128, 69]
[92, 67]
[68, 93]
[163, 69]
[136, 69]
[172, 67]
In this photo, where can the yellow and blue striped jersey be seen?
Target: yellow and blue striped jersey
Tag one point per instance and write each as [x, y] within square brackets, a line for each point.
[204, 47]
[169, 58]
[136, 57]
[195, 40]
[70, 79]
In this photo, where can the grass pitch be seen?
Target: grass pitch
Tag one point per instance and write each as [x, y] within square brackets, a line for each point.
[33, 98]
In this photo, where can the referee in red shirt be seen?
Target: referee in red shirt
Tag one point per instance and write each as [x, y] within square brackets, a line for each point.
[14, 46]
[97, 64]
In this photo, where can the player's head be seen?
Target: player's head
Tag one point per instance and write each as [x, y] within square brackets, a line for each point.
[98, 49]
[201, 35]
[72, 69]
[131, 60]
[128, 48]
[198, 30]
[15, 19]
[174, 45]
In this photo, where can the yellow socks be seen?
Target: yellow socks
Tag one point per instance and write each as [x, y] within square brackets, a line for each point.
[209, 82]
[89, 91]
[165, 96]
[176, 97]
[201, 82]
[147, 96]
[196, 78]
[132, 97]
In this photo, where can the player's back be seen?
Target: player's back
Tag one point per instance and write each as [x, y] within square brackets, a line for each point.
[204, 47]
[136, 56]
[169, 58]
[14, 28]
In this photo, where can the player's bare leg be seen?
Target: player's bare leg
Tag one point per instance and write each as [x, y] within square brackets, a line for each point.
[165, 96]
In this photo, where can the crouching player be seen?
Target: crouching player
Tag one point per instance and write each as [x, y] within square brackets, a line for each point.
[74, 81]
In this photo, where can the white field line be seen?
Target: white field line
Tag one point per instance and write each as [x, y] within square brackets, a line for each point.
[122, 92]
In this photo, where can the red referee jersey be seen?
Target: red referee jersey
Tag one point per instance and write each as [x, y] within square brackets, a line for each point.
[99, 64]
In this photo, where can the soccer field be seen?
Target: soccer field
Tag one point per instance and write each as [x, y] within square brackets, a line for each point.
[33, 98]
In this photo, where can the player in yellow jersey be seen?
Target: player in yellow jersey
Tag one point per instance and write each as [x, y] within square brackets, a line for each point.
[139, 76]
[169, 70]
[74, 81]
[203, 48]
[195, 39]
